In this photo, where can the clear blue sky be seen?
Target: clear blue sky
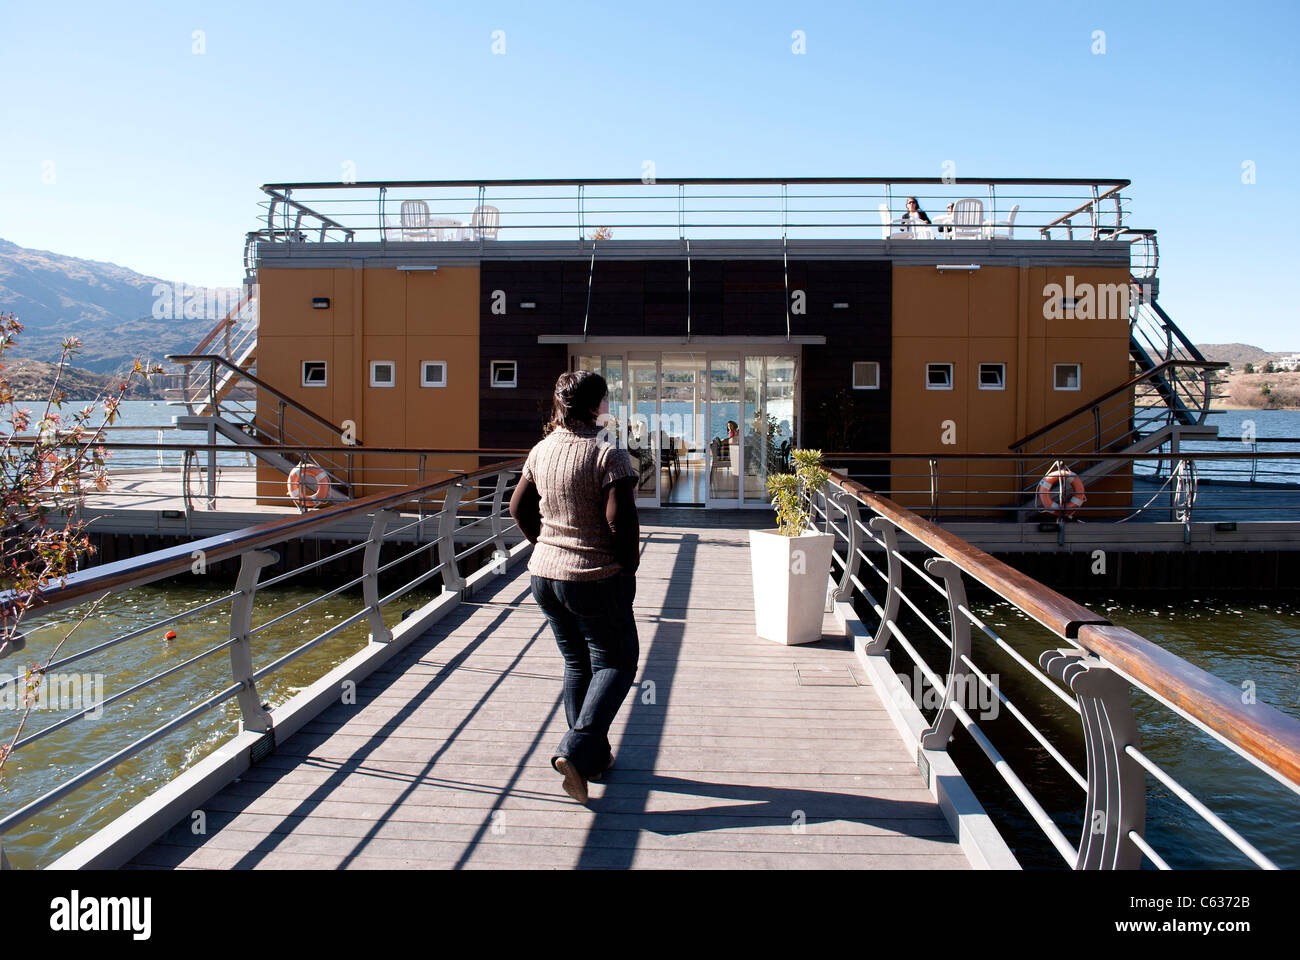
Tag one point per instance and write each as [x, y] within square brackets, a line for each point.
[157, 152]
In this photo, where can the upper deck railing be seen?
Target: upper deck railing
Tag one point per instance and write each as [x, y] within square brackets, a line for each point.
[764, 208]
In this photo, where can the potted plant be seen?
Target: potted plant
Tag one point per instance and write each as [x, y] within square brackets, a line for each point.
[792, 564]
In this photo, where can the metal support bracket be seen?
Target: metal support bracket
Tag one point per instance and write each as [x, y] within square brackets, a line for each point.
[241, 651]
[379, 633]
[451, 577]
[959, 675]
[848, 507]
[894, 573]
[1116, 782]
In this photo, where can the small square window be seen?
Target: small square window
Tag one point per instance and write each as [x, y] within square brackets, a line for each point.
[313, 373]
[1066, 376]
[381, 373]
[505, 373]
[938, 376]
[866, 375]
[433, 373]
[993, 376]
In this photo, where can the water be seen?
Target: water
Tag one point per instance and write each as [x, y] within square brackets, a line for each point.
[39, 767]
[1251, 646]
[1237, 427]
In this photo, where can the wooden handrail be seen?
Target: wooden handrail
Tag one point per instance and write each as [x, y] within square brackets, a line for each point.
[170, 561]
[1127, 385]
[1263, 732]
[224, 322]
[260, 384]
[1059, 614]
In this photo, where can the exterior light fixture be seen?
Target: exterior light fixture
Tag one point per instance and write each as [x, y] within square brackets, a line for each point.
[840, 306]
[320, 303]
[528, 305]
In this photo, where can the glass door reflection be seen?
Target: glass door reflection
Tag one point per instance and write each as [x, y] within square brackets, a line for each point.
[724, 446]
[682, 454]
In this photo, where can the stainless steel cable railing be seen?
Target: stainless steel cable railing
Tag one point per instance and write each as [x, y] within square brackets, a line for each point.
[451, 519]
[1095, 673]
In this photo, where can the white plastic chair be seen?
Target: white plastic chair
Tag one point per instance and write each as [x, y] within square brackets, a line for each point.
[484, 223]
[415, 220]
[968, 219]
[1009, 223]
[885, 221]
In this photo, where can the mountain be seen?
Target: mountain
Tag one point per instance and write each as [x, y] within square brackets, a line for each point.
[30, 381]
[1239, 353]
[117, 313]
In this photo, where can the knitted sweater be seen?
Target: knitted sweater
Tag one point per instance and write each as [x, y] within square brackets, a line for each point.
[571, 470]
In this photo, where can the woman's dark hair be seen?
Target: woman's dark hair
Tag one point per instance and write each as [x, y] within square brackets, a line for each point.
[577, 398]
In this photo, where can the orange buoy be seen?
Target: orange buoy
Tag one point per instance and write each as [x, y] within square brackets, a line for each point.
[1060, 478]
[170, 635]
[309, 485]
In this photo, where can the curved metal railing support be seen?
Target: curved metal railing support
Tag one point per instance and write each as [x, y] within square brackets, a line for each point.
[379, 632]
[1116, 805]
[848, 507]
[894, 580]
[959, 676]
[451, 576]
[241, 651]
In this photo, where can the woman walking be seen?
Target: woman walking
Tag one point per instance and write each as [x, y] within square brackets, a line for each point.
[576, 503]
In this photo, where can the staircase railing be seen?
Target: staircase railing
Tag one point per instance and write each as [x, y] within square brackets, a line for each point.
[272, 416]
[234, 338]
[1175, 392]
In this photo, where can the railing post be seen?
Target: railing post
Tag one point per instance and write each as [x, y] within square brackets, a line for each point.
[451, 578]
[959, 676]
[379, 633]
[848, 506]
[934, 490]
[893, 579]
[1116, 782]
[241, 651]
[500, 552]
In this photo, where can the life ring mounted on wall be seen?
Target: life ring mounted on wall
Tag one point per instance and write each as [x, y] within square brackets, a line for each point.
[1055, 481]
[309, 486]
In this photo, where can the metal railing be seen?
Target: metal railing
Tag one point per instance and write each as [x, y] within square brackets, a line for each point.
[479, 211]
[1095, 672]
[450, 522]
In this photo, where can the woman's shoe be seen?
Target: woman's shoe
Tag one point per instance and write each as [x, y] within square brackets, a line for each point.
[575, 784]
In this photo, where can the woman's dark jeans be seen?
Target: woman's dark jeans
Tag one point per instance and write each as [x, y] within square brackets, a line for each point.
[596, 634]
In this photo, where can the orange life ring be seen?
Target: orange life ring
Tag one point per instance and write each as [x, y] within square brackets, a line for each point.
[308, 485]
[1050, 482]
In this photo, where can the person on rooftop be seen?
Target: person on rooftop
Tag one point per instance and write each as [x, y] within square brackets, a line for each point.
[914, 216]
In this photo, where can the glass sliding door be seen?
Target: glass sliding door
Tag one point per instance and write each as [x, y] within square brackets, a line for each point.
[724, 420]
[771, 422]
[682, 448]
[642, 427]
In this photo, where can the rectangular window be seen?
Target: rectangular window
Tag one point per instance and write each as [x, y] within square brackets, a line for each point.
[938, 376]
[1067, 376]
[505, 373]
[313, 373]
[866, 375]
[993, 376]
[381, 373]
[433, 373]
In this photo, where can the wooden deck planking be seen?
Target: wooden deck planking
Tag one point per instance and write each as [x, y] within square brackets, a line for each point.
[744, 753]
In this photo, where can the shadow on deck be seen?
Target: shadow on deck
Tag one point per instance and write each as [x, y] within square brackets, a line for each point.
[730, 751]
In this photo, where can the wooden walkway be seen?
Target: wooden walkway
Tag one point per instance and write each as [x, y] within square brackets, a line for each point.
[731, 752]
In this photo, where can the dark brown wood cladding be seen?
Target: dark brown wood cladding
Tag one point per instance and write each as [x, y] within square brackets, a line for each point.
[742, 298]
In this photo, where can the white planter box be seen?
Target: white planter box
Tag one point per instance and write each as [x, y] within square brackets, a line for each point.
[791, 580]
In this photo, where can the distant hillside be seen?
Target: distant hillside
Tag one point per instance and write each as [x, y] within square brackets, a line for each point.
[31, 380]
[1239, 353]
[111, 308]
